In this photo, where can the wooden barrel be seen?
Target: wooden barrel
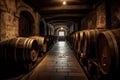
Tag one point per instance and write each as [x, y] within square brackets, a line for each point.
[42, 42]
[50, 41]
[89, 42]
[108, 45]
[75, 42]
[80, 37]
[19, 50]
[72, 40]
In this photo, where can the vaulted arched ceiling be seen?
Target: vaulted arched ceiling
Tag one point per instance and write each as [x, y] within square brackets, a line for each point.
[54, 10]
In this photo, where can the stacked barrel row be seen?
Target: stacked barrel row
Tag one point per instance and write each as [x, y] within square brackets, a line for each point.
[51, 39]
[98, 51]
[23, 50]
[19, 50]
[42, 44]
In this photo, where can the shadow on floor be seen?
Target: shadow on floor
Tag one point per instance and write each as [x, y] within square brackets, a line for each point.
[9, 71]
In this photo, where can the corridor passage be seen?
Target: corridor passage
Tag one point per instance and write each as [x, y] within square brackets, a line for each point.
[59, 64]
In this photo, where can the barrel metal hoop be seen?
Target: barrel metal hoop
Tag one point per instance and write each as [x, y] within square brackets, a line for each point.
[16, 48]
[25, 47]
[29, 47]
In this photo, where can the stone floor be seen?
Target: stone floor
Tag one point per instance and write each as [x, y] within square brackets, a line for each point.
[59, 64]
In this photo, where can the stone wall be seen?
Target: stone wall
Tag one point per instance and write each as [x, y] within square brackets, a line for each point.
[101, 16]
[9, 18]
[115, 14]
[105, 15]
[89, 22]
[95, 19]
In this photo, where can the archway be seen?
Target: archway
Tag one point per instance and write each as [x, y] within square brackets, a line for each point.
[26, 23]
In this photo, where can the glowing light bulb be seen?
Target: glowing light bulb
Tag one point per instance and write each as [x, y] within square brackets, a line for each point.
[64, 2]
[61, 28]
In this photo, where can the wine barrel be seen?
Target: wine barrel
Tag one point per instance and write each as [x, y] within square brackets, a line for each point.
[89, 42]
[108, 53]
[50, 41]
[80, 37]
[19, 50]
[75, 41]
[72, 40]
[42, 42]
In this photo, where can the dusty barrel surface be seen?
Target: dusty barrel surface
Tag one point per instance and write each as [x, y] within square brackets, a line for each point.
[89, 42]
[108, 51]
[42, 43]
[19, 50]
